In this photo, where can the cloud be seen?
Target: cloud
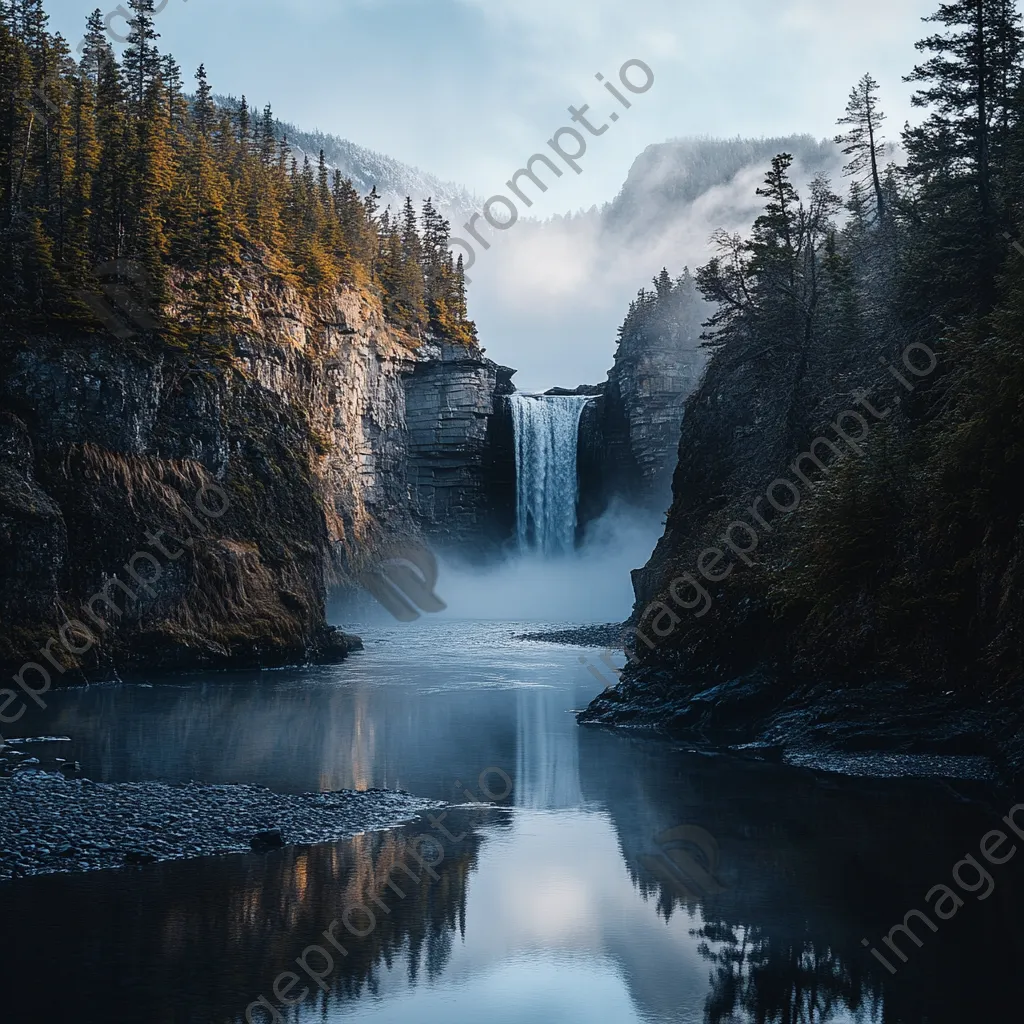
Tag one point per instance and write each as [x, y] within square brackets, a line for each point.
[548, 296]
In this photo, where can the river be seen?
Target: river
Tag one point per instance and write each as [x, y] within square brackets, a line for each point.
[614, 878]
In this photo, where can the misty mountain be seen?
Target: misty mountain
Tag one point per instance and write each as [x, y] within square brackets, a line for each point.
[367, 168]
[550, 295]
[668, 175]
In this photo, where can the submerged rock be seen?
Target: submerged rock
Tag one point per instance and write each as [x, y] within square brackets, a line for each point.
[272, 839]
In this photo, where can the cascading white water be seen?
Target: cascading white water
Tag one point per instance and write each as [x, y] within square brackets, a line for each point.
[546, 433]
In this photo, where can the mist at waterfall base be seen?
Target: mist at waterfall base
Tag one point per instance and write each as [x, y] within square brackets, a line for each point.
[544, 576]
[549, 579]
[591, 584]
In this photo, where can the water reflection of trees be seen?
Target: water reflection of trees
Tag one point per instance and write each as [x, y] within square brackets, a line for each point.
[756, 977]
[760, 973]
[157, 943]
[809, 865]
[292, 736]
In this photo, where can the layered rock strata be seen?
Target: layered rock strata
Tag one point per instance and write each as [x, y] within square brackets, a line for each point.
[317, 437]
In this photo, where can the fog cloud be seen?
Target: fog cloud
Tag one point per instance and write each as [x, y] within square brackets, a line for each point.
[549, 296]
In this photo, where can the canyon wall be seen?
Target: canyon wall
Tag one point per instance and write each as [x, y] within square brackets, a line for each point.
[629, 435]
[461, 464]
[169, 510]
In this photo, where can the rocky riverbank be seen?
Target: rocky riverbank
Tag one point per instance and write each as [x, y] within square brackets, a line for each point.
[607, 635]
[883, 729]
[51, 824]
[880, 729]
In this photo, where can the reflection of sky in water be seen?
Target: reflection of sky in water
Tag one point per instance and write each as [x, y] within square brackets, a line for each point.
[555, 931]
[535, 989]
[625, 881]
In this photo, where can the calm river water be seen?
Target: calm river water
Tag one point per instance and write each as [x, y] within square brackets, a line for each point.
[620, 879]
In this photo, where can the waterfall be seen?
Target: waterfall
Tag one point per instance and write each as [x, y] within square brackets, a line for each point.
[546, 434]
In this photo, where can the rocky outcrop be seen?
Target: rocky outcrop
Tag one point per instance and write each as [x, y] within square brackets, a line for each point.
[170, 509]
[653, 375]
[461, 465]
[889, 728]
[629, 435]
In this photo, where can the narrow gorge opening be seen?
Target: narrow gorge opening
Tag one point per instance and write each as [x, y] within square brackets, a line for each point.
[547, 487]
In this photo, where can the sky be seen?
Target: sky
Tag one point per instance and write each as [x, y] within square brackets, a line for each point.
[469, 89]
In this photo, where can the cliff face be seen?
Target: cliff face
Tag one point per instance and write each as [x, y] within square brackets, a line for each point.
[840, 571]
[211, 503]
[460, 456]
[653, 375]
[629, 436]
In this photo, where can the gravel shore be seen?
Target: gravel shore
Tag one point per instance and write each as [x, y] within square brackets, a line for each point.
[608, 635]
[50, 824]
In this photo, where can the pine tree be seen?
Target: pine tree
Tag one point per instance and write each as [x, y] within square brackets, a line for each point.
[243, 124]
[213, 251]
[177, 105]
[438, 270]
[56, 152]
[773, 242]
[96, 47]
[769, 286]
[371, 204]
[268, 142]
[969, 84]
[86, 164]
[19, 118]
[205, 243]
[153, 175]
[30, 21]
[204, 109]
[110, 201]
[227, 157]
[663, 284]
[16, 129]
[408, 294]
[350, 213]
[323, 184]
[461, 310]
[864, 142]
[141, 61]
[389, 247]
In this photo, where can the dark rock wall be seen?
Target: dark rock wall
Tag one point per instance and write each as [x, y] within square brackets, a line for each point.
[595, 467]
[114, 457]
[458, 459]
[647, 389]
[629, 436]
[500, 463]
[333, 435]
